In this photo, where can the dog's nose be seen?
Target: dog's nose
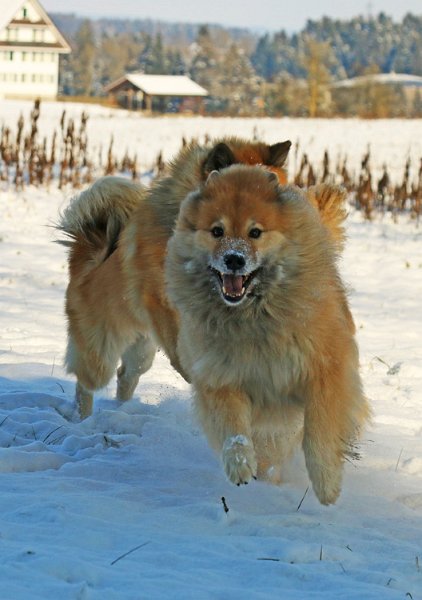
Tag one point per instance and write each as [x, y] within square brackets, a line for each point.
[234, 261]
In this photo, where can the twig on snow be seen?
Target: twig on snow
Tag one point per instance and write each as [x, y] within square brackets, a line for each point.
[303, 498]
[129, 552]
[270, 559]
[226, 508]
[398, 460]
[51, 433]
[60, 386]
[4, 420]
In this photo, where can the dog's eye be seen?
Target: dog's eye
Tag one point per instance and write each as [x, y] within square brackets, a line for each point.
[217, 231]
[255, 233]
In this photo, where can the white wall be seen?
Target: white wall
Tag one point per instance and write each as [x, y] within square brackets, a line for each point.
[27, 74]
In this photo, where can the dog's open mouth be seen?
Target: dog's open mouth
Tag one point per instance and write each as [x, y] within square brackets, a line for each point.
[233, 287]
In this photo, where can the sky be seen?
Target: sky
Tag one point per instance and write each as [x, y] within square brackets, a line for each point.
[270, 15]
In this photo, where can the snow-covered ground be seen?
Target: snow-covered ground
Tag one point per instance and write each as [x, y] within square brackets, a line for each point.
[127, 504]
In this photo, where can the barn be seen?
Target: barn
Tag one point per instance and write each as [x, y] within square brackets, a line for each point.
[161, 93]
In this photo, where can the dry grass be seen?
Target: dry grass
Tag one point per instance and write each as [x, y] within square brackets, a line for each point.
[66, 159]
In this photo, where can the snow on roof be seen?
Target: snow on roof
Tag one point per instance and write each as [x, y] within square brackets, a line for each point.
[9, 9]
[382, 78]
[161, 85]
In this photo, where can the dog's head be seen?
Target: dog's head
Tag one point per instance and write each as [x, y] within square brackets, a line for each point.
[234, 150]
[242, 236]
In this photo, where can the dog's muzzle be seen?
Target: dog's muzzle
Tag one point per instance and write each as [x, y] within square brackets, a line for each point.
[233, 281]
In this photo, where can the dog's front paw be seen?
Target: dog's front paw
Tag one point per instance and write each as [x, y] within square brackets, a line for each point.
[239, 459]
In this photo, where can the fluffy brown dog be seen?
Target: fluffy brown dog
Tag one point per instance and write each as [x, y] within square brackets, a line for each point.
[116, 303]
[118, 306]
[265, 333]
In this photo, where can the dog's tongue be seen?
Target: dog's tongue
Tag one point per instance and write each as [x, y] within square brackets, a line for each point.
[233, 284]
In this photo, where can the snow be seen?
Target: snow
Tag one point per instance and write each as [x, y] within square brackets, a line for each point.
[127, 504]
[403, 79]
[163, 85]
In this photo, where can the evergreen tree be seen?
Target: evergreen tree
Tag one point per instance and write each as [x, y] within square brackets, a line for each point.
[159, 63]
[204, 62]
[83, 60]
[238, 83]
[146, 55]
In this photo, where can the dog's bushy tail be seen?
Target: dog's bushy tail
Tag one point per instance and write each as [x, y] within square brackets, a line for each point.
[330, 201]
[95, 217]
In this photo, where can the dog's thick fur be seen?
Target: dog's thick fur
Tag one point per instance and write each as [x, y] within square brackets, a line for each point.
[291, 335]
[265, 332]
[117, 235]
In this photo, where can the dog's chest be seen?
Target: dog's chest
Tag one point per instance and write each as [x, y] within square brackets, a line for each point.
[274, 374]
[267, 365]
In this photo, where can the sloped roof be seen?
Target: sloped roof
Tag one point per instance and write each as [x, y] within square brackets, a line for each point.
[382, 78]
[9, 8]
[161, 85]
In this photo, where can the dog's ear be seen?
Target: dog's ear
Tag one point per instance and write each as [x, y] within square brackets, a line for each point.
[218, 158]
[213, 175]
[278, 153]
[273, 177]
[188, 211]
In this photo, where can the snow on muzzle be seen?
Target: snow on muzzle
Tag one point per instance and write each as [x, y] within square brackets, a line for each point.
[233, 276]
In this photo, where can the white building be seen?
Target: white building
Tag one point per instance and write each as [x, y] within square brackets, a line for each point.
[30, 45]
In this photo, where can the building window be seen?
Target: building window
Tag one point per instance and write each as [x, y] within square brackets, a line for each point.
[24, 13]
[10, 55]
[24, 56]
[23, 77]
[38, 35]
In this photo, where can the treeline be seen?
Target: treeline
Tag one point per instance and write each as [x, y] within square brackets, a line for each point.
[245, 74]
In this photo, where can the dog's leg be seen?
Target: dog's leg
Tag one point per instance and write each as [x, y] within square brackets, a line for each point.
[166, 328]
[93, 371]
[273, 449]
[136, 360]
[226, 417]
[84, 401]
[335, 412]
